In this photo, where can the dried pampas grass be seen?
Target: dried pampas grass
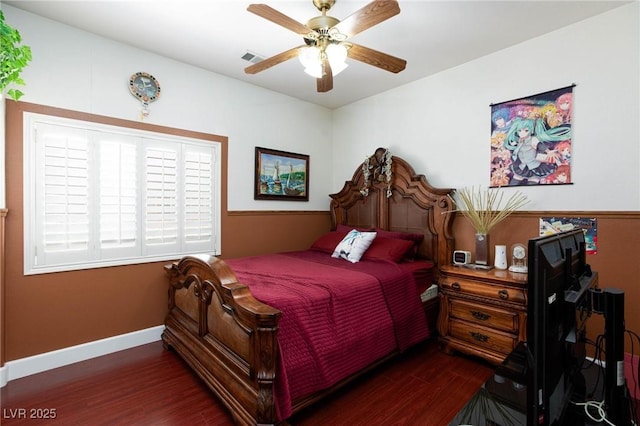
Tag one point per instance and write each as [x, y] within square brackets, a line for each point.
[485, 208]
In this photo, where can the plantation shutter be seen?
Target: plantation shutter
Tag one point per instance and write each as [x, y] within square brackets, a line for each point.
[160, 197]
[118, 197]
[199, 201]
[99, 195]
[62, 196]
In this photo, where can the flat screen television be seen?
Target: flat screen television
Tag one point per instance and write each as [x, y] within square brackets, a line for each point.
[558, 282]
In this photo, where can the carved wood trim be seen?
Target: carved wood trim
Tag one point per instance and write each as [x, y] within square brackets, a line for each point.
[410, 190]
[211, 276]
[276, 212]
[632, 215]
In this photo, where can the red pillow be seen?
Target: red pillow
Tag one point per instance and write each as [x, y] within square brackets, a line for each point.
[388, 249]
[415, 238]
[329, 241]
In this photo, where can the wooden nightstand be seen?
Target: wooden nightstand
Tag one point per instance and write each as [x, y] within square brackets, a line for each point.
[482, 313]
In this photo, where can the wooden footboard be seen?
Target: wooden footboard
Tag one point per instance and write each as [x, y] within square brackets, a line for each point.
[227, 336]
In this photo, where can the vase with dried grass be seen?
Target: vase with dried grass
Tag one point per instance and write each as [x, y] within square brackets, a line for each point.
[485, 208]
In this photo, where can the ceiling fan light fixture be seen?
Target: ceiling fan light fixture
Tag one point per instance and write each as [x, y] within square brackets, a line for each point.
[309, 56]
[314, 71]
[311, 59]
[337, 53]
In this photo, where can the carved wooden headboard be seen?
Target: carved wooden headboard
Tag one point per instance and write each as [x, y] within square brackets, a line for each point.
[413, 205]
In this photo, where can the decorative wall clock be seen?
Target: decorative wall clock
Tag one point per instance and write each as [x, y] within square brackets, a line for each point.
[146, 88]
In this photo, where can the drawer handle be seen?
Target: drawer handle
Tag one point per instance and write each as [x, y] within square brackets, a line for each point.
[455, 286]
[480, 315]
[479, 336]
[503, 294]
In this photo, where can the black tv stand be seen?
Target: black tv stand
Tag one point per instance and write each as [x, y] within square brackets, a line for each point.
[610, 303]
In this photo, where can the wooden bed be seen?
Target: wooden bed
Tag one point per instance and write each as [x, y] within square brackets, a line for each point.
[230, 339]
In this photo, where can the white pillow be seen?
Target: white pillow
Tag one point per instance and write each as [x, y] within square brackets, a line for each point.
[353, 245]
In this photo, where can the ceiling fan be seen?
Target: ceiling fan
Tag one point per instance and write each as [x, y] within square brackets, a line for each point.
[325, 48]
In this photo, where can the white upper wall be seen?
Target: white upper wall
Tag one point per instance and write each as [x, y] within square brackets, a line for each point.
[76, 70]
[441, 124]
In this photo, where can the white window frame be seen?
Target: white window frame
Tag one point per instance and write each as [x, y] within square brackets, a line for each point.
[208, 152]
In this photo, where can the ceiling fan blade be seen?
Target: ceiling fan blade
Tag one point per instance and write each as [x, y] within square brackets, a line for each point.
[269, 13]
[375, 58]
[274, 60]
[370, 15]
[325, 83]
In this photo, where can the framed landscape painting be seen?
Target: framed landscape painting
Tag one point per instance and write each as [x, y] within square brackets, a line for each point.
[281, 175]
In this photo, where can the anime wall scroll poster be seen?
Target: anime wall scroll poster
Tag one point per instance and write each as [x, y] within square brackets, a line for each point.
[531, 140]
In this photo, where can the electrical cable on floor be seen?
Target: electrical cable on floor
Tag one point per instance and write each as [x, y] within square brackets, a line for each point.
[599, 407]
[596, 360]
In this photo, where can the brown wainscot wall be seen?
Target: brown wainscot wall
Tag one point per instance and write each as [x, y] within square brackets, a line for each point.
[53, 311]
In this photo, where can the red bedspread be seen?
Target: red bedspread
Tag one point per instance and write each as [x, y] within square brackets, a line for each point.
[337, 317]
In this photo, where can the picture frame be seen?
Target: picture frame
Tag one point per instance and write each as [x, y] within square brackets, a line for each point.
[281, 175]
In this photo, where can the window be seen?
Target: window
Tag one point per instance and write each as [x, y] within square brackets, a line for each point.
[101, 195]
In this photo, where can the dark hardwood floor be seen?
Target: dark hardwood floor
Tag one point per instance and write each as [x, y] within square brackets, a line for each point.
[147, 385]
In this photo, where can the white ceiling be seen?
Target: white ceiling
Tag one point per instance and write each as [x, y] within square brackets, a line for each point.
[214, 34]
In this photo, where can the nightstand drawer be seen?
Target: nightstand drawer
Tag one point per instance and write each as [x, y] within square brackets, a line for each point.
[483, 337]
[488, 290]
[500, 319]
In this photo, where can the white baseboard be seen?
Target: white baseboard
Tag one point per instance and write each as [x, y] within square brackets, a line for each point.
[4, 374]
[47, 361]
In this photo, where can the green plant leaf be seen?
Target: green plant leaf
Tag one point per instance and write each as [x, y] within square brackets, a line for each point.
[13, 59]
[14, 94]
